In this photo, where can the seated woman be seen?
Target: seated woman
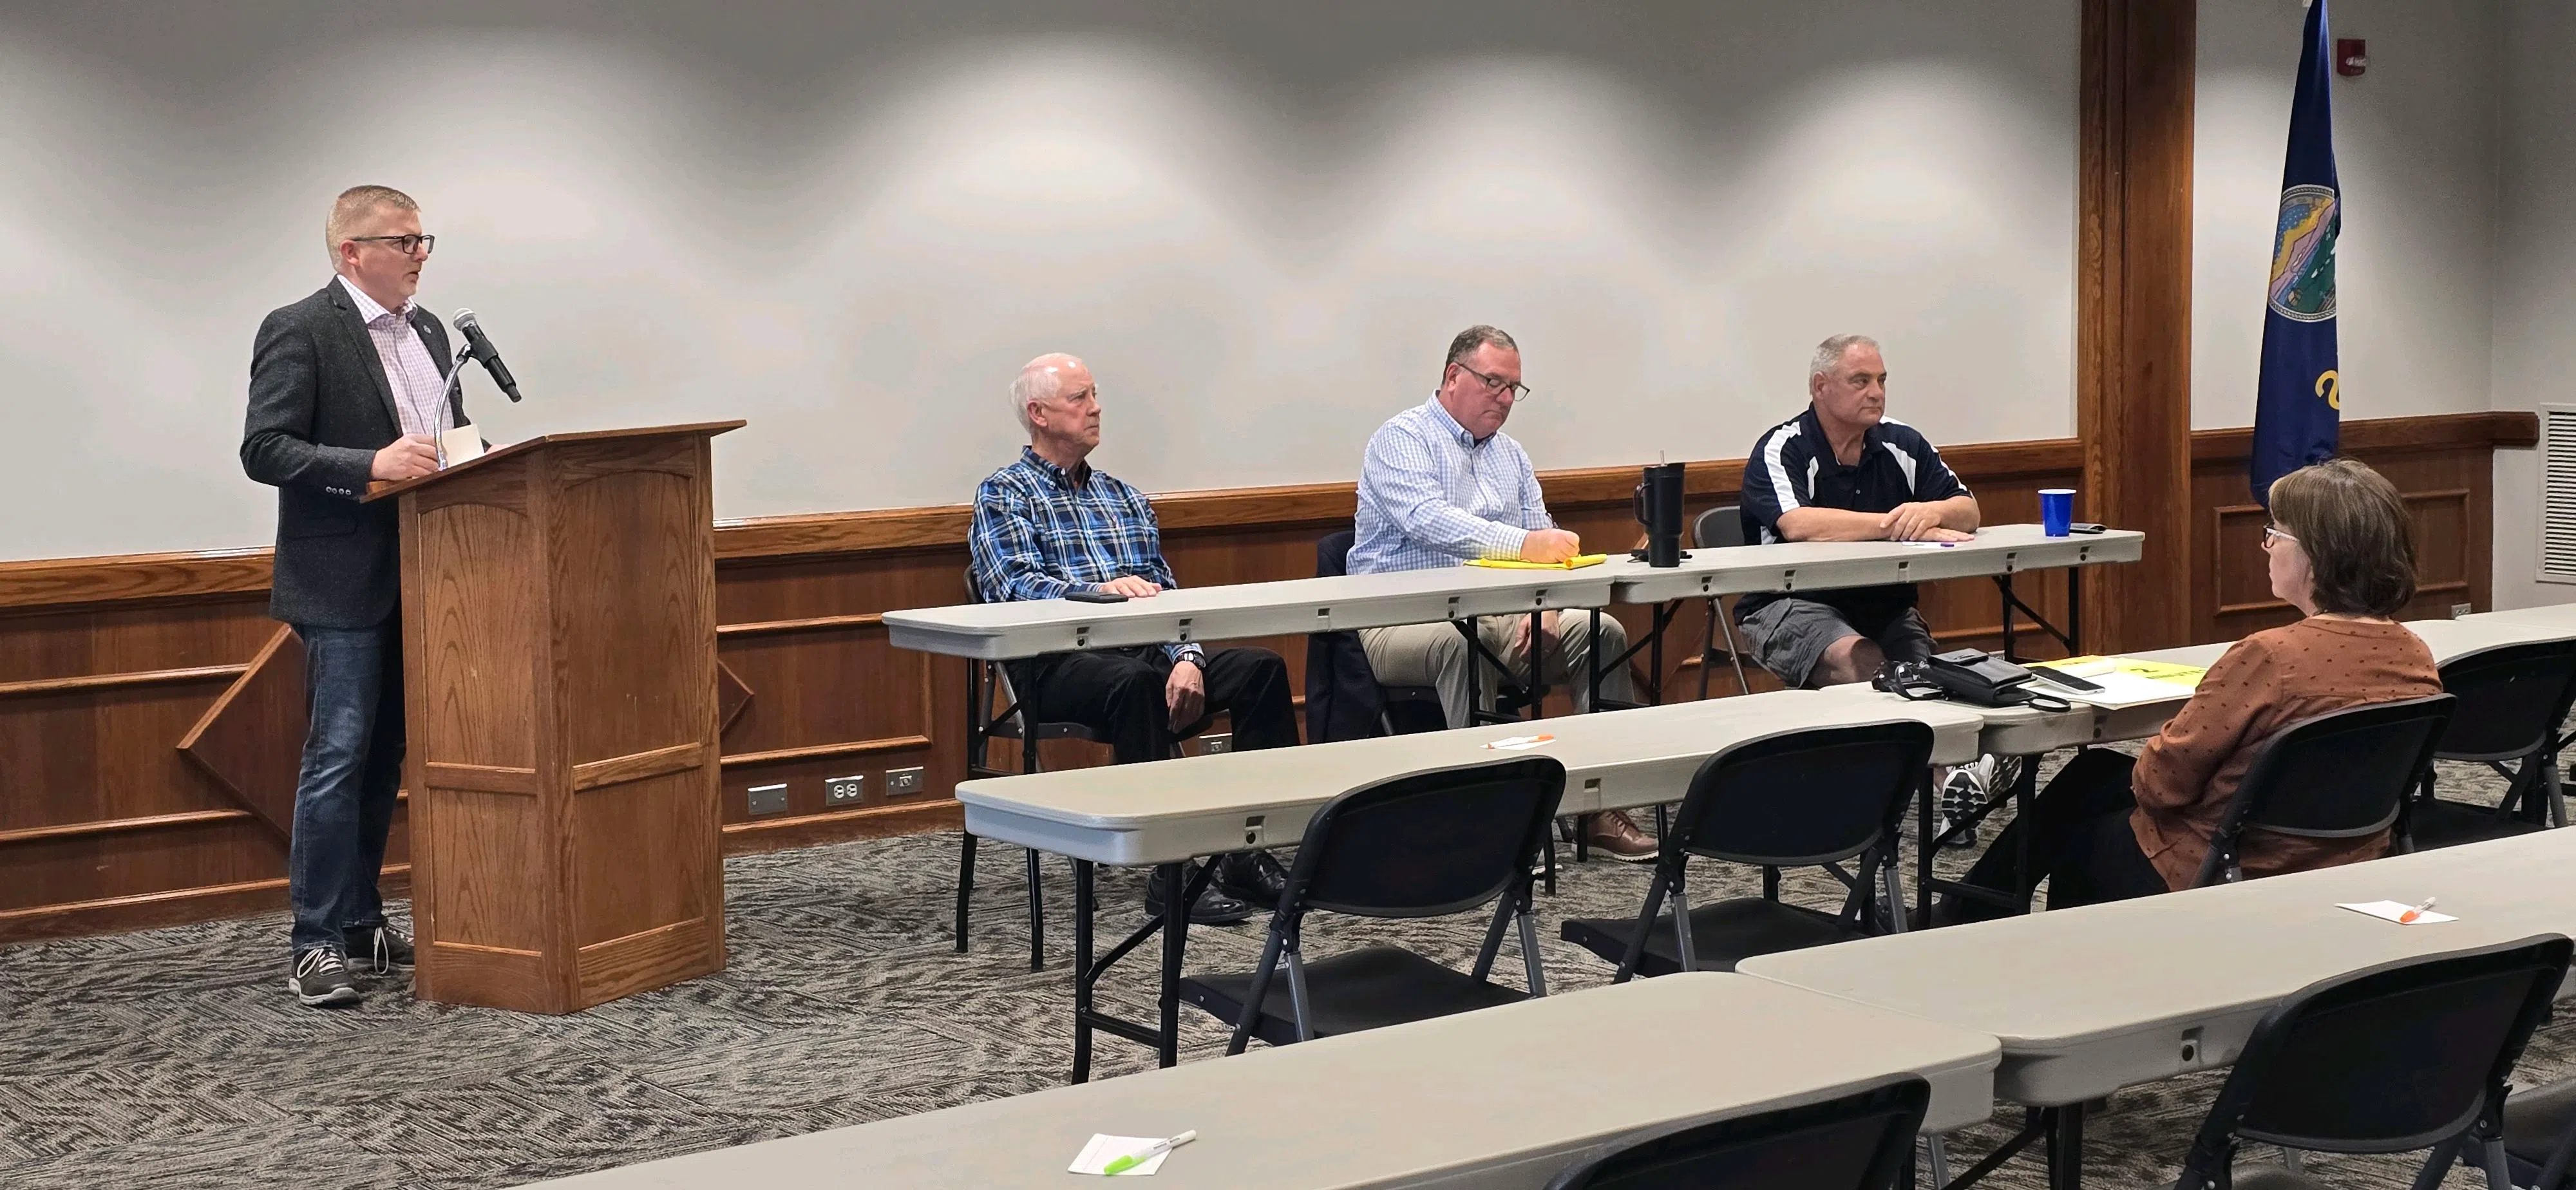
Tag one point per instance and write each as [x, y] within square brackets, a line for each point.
[2109, 827]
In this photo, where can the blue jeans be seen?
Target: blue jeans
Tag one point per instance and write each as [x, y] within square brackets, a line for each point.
[344, 794]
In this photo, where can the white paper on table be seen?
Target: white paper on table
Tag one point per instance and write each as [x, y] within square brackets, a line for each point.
[1520, 743]
[2392, 910]
[462, 444]
[1105, 1148]
[2118, 689]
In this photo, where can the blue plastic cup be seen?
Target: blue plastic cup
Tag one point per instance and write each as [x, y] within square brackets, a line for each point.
[2056, 510]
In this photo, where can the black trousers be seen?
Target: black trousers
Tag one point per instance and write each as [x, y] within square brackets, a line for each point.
[2080, 840]
[1119, 692]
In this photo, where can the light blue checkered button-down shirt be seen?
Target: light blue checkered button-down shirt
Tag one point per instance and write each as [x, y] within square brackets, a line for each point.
[1431, 495]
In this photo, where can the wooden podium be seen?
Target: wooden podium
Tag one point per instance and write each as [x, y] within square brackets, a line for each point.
[559, 670]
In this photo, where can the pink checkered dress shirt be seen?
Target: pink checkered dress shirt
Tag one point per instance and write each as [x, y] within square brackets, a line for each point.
[419, 386]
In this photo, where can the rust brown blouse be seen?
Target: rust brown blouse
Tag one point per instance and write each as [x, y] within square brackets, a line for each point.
[2266, 682]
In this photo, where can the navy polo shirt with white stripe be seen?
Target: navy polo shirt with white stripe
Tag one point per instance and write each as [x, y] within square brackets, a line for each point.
[1793, 466]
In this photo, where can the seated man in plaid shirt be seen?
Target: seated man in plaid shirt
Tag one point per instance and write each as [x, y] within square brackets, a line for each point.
[1052, 523]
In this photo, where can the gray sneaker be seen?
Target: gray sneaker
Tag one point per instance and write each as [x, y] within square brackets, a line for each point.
[320, 979]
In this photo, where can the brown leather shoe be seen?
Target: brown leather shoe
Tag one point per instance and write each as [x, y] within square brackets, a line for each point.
[1611, 833]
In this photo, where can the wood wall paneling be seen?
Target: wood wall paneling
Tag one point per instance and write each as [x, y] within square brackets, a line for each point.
[106, 823]
[2133, 308]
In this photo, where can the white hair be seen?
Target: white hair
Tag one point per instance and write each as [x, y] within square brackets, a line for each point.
[1039, 380]
[1829, 354]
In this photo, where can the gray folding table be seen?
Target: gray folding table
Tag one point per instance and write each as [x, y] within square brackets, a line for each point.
[1479, 1101]
[2091, 999]
[1168, 813]
[1998, 551]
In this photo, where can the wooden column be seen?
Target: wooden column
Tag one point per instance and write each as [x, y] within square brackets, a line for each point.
[2133, 314]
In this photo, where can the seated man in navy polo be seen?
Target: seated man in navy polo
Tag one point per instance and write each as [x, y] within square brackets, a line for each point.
[1052, 523]
[1845, 471]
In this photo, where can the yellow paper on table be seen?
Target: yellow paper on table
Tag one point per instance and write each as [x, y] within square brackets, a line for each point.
[2153, 671]
[1577, 562]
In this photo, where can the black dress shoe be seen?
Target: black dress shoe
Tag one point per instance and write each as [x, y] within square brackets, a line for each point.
[1252, 877]
[1213, 908]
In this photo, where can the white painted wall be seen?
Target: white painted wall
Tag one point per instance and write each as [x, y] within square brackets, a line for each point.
[2416, 148]
[2535, 306]
[850, 223]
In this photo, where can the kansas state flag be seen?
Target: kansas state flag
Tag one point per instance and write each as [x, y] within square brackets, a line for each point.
[2297, 408]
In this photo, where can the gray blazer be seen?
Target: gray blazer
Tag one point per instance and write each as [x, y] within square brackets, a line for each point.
[320, 409]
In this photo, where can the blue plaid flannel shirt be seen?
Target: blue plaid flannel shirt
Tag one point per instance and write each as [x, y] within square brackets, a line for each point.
[1040, 532]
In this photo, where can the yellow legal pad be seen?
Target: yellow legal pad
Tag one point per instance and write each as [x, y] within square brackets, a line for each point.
[1577, 562]
[2153, 671]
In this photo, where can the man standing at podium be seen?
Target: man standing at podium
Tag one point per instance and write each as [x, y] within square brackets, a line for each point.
[347, 388]
[1050, 524]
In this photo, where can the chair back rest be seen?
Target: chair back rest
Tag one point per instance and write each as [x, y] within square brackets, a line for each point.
[1719, 526]
[1426, 844]
[1860, 1141]
[2512, 699]
[2392, 1058]
[2339, 775]
[1333, 553]
[1802, 798]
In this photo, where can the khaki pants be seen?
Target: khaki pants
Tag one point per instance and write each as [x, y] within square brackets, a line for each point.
[1436, 655]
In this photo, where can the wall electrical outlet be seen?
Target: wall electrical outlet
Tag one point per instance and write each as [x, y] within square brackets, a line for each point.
[2461, 609]
[1214, 744]
[903, 780]
[843, 791]
[769, 799]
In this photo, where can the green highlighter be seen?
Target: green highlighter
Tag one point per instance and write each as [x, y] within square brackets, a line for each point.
[1132, 1160]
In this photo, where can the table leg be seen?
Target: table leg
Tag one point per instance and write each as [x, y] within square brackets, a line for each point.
[1537, 666]
[1176, 927]
[1925, 845]
[1592, 661]
[2025, 786]
[2066, 1147]
[2005, 581]
[1082, 972]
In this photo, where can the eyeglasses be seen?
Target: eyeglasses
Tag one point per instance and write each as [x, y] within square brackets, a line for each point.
[1520, 392]
[403, 244]
[2272, 533]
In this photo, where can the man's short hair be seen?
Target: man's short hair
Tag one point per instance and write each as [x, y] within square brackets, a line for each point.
[2353, 524]
[353, 206]
[1038, 381]
[1472, 338]
[1829, 354]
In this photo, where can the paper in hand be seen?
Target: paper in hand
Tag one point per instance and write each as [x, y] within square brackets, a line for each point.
[460, 445]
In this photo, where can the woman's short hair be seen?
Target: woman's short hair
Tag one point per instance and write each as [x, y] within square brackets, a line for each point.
[2353, 525]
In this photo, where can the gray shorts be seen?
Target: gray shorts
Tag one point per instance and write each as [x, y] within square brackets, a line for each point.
[1789, 636]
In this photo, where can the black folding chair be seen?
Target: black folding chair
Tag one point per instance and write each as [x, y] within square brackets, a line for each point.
[2341, 775]
[2540, 1136]
[1720, 526]
[1404, 710]
[2403, 1056]
[1860, 1141]
[988, 681]
[1425, 845]
[1798, 799]
[2512, 701]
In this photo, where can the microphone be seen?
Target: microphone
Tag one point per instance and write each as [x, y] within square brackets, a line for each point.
[480, 347]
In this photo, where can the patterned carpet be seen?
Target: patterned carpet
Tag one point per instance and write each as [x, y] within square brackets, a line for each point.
[175, 1058]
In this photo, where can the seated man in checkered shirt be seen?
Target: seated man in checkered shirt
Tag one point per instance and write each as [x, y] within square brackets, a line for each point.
[1052, 523]
[1442, 485]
